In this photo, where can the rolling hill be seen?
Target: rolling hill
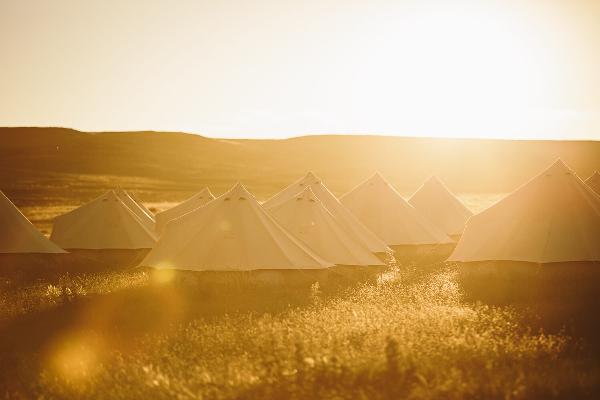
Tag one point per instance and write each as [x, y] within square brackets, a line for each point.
[49, 165]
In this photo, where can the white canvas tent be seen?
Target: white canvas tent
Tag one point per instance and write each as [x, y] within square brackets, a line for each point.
[103, 223]
[554, 217]
[594, 182]
[307, 218]
[343, 216]
[18, 235]
[435, 201]
[383, 210]
[231, 233]
[197, 200]
[145, 215]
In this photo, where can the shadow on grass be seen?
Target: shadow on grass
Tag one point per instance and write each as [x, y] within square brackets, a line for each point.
[552, 297]
[19, 269]
[117, 320]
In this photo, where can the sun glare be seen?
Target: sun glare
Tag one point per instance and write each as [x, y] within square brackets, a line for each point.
[473, 72]
[276, 69]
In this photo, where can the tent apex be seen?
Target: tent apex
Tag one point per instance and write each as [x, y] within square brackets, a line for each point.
[558, 166]
[306, 194]
[433, 179]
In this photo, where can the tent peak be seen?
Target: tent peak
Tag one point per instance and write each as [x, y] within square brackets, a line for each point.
[110, 195]
[559, 166]
[307, 195]
[204, 192]
[237, 192]
[433, 179]
[377, 178]
[310, 179]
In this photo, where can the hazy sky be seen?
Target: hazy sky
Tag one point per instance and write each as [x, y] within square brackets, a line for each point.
[283, 68]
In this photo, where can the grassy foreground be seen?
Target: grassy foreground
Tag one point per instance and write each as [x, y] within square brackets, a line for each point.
[409, 334]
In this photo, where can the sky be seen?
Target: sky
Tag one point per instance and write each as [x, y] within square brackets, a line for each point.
[282, 68]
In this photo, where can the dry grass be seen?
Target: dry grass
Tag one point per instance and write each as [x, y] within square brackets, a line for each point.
[408, 335]
[18, 300]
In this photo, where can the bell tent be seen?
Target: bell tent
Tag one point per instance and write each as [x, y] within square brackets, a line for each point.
[554, 217]
[18, 235]
[440, 206]
[343, 216]
[103, 223]
[197, 200]
[383, 210]
[308, 220]
[231, 233]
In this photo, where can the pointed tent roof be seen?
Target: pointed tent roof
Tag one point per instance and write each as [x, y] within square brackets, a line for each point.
[232, 232]
[307, 218]
[18, 235]
[435, 201]
[343, 216]
[554, 217]
[383, 210]
[197, 200]
[103, 223]
[594, 182]
[145, 215]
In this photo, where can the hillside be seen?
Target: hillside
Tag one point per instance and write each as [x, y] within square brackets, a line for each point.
[47, 165]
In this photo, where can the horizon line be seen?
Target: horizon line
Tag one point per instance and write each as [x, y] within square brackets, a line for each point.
[297, 136]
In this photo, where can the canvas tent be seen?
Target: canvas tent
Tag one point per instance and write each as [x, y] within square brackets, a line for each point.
[383, 210]
[197, 200]
[554, 217]
[594, 182]
[231, 233]
[435, 201]
[343, 216]
[145, 215]
[307, 219]
[103, 223]
[18, 235]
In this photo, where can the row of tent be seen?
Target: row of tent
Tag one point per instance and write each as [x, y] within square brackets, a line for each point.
[554, 217]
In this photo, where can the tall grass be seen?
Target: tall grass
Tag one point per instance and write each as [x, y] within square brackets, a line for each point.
[410, 335]
[16, 299]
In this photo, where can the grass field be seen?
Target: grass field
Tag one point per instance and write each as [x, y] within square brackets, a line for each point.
[409, 334]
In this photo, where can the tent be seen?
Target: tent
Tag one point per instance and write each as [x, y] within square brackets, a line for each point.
[103, 223]
[594, 182]
[197, 200]
[554, 217]
[138, 208]
[232, 232]
[381, 208]
[343, 216]
[307, 218]
[435, 201]
[18, 235]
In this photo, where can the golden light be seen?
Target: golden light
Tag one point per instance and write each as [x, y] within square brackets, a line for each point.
[278, 68]
[162, 275]
[75, 356]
